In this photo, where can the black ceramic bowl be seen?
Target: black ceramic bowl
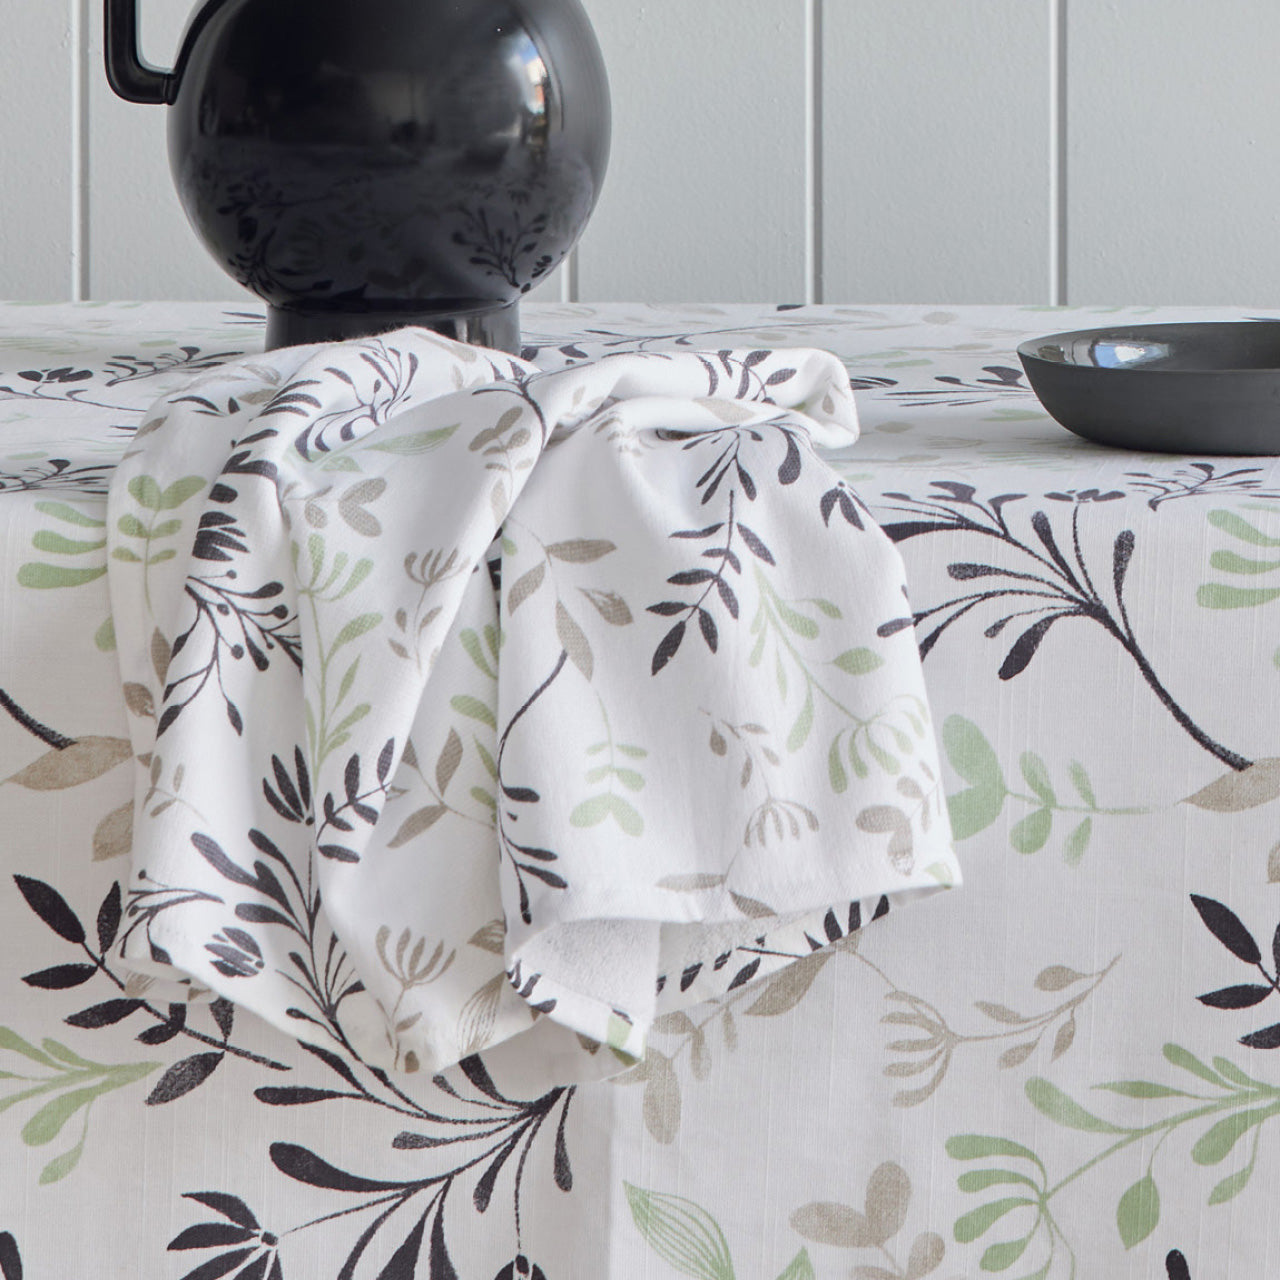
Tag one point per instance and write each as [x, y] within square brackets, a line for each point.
[1207, 387]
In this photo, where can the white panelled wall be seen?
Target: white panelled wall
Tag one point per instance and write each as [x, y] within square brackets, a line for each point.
[1032, 151]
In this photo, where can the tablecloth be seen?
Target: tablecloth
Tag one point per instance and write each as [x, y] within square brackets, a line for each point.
[1064, 1068]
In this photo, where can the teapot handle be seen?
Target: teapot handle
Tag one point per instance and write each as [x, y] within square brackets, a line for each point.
[132, 79]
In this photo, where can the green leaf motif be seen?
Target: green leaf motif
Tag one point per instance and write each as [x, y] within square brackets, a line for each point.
[61, 511]
[1218, 595]
[1077, 843]
[1080, 780]
[55, 544]
[1230, 562]
[1036, 774]
[1050, 1101]
[146, 492]
[859, 662]
[1000, 1257]
[971, 755]
[355, 628]
[1230, 1187]
[1138, 1212]
[416, 442]
[799, 1268]
[1032, 833]
[978, 1146]
[681, 1233]
[595, 809]
[1177, 1056]
[179, 491]
[1240, 528]
[48, 577]
[1215, 1144]
[979, 1221]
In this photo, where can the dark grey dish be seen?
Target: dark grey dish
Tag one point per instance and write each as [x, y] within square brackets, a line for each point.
[1207, 387]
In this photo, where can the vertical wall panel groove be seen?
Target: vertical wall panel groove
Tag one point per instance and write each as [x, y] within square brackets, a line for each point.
[813, 153]
[37, 133]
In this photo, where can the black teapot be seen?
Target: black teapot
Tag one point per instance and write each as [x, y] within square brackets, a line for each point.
[367, 164]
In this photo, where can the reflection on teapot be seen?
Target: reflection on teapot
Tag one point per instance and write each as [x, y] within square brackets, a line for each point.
[366, 164]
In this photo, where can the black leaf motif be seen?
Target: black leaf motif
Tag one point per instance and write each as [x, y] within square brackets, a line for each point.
[441, 1264]
[668, 608]
[1228, 928]
[255, 913]
[1267, 1038]
[339, 853]
[351, 779]
[104, 1014]
[484, 1187]
[755, 545]
[745, 974]
[211, 1235]
[403, 1264]
[219, 1266]
[109, 917]
[700, 533]
[305, 1166]
[256, 1269]
[10, 1259]
[707, 625]
[727, 598]
[1025, 646]
[287, 790]
[778, 377]
[183, 1077]
[229, 1206]
[475, 1071]
[1176, 1265]
[549, 878]
[61, 976]
[385, 757]
[562, 1169]
[1241, 997]
[521, 795]
[213, 854]
[160, 1034]
[224, 1013]
[690, 577]
[296, 1096]
[789, 471]
[52, 908]
[667, 649]
[689, 976]
[1122, 554]
[332, 1061]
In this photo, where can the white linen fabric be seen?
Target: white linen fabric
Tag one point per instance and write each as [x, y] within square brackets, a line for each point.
[465, 700]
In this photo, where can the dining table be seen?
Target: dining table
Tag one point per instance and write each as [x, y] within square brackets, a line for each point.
[1059, 1064]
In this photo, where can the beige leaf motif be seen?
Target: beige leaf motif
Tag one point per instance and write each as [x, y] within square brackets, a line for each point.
[450, 758]
[82, 761]
[888, 1195]
[113, 837]
[753, 908]
[479, 1014]
[574, 641]
[416, 823]
[610, 606]
[926, 1255]
[581, 550]
[1249, 788]
[490, 937]
[661, 1106]
[525, 585]
[1273, 865]
[787, 988]
[161, 652]
[1057, 977]
[351, 506]
[839, 1225]
[693, 883]
[138, 698]
[726, 410]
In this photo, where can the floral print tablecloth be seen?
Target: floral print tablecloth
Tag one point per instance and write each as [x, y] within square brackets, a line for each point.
[1064, 1068]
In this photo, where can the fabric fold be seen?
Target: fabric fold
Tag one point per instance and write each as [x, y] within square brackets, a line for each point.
[468, 696]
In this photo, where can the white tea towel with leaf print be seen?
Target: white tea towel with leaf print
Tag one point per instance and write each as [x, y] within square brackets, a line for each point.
[482, 708]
